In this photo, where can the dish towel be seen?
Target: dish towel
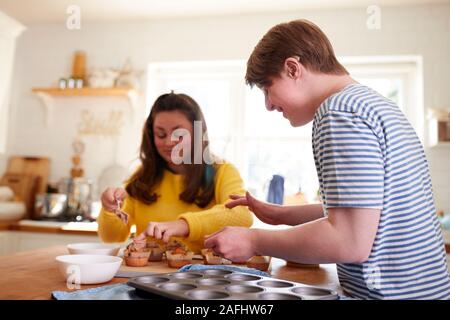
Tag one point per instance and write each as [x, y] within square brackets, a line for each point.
[118, 291]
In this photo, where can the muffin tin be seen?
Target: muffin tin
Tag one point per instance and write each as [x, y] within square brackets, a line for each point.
[212, 284]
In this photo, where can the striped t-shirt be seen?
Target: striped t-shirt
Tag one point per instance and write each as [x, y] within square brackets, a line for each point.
[368, 155]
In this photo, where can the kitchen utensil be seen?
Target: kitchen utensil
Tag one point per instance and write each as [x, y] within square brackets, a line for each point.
[79, 197]
[121, 214]
[24, 187]
[38, 166]
[229, 285]
[50, 205]
[88, 269]
[94, 248]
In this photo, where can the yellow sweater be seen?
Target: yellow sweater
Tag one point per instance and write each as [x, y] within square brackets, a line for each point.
[168, 207]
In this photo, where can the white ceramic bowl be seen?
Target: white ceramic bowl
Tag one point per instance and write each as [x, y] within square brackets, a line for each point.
[6, 193]
[12, 211]
[88, 269]
[94, 248]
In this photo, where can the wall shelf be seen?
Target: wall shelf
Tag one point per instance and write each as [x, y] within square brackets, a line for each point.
[47, 94]
[87, 91]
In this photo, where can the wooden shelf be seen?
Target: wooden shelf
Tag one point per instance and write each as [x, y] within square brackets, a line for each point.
[47, 94]
[87, 91]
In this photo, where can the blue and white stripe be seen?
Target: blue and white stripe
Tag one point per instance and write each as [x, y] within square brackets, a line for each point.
[368, 155]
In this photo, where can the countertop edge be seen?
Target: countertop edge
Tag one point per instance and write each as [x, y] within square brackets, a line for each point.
[15, 226]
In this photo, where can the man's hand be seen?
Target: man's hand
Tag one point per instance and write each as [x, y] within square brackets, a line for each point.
[233, 243]
[266, 212]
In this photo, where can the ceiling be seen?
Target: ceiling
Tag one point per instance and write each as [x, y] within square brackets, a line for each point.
[41, 11]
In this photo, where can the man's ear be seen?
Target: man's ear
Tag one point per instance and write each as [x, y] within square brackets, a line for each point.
[292, 67]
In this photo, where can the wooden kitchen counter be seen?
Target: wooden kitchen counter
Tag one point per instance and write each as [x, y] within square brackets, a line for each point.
[34, 274]
[72, 228]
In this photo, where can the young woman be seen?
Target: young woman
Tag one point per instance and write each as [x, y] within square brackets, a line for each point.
[180, 188]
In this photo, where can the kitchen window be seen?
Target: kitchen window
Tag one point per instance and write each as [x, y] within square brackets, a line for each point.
[261, 143]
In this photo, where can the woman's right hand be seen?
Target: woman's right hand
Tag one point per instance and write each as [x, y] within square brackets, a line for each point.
[110, 197]
[266, 212]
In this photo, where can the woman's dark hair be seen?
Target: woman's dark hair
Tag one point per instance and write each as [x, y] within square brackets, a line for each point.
[198, 178]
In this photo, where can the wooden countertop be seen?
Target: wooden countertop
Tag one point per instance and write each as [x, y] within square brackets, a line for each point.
[34, 274]
[73, 228]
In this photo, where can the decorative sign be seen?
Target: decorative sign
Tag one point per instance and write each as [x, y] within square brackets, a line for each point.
[93, 125]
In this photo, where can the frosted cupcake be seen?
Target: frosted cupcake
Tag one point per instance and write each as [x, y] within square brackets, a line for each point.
[210, 258]
[259, 262]
[178, 257]
[136, 255]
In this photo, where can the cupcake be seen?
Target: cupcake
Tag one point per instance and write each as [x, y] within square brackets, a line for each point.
[156, 254]
[179, 257]
[259, 262]
[150, 244]
[210, 258]
[173, 244]
[136, 255]
[156, 250]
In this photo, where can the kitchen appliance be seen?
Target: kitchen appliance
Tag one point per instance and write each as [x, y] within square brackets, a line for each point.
[227, 284]
[50, 206]
[79, 193]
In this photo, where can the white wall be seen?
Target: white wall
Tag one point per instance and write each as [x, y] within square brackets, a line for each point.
[44, 54]
[9, 30]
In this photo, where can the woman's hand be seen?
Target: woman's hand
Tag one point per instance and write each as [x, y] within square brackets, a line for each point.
[165, 230]
[266, 212]
[111, 196]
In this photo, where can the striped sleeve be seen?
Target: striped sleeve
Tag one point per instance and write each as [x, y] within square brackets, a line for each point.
[351, 166]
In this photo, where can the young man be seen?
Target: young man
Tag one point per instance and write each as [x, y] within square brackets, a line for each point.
[378, 221]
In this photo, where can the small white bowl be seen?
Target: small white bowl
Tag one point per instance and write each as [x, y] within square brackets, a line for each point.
[94, 248]
[88, 269]
[12, 211]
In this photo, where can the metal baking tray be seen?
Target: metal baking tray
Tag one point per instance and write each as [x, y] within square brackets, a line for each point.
[214, 284]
